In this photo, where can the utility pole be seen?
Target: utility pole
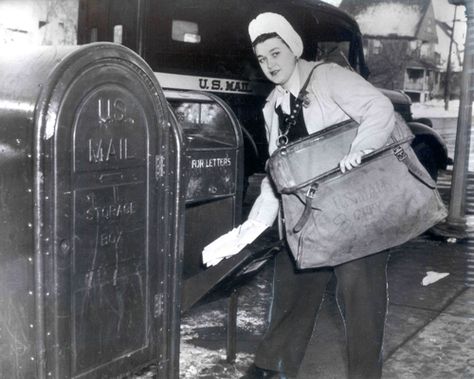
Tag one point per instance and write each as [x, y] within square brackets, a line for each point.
[448, 66]
[457, 205]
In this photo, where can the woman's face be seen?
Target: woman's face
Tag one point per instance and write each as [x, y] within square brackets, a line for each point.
[276, 60]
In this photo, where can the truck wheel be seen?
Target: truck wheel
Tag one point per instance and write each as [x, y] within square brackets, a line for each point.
[427, 158]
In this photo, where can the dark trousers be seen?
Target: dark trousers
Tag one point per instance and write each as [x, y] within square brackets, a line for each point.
[297, 295]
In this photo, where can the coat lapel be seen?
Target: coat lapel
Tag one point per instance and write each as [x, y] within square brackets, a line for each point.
[269, 114]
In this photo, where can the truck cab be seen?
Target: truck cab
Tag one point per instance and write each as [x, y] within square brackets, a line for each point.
[204, 45]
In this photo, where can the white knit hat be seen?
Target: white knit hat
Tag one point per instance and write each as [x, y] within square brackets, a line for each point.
[274, 23]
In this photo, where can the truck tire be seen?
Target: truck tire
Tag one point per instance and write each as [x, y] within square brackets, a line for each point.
[426, 156]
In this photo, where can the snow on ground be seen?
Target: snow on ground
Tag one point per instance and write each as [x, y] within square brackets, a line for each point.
[199, 362]
[203, 331]
[435, 108]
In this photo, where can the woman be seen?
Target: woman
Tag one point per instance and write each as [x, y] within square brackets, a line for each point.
[335, 94]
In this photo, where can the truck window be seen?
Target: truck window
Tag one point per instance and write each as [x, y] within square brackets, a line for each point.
[185, 31]
[202, 123]
[337, 52]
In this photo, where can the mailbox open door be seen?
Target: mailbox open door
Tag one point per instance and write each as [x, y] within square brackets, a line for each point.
[90, 211]
[213, 169]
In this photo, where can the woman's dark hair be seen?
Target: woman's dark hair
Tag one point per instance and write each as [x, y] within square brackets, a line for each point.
[263, 37]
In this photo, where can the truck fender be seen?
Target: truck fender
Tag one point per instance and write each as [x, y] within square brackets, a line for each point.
[424, 133]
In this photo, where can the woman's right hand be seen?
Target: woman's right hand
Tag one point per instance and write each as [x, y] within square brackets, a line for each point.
[352, 160]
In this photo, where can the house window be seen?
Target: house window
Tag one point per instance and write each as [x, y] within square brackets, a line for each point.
[415, 73]
[426, 50]
[376, 47]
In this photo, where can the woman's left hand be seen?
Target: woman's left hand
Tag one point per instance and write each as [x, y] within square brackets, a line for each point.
[352, 160]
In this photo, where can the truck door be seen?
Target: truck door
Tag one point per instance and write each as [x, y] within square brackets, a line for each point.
[114, 21]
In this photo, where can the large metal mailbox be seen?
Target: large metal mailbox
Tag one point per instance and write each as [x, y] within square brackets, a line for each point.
[89, 215]
[213, 169]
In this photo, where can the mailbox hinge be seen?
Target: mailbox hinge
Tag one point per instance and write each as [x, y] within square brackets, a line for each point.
[158, 305]
[159, 166]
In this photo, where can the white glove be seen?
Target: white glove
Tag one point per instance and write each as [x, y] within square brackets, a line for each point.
[232, 242]
[352, 160]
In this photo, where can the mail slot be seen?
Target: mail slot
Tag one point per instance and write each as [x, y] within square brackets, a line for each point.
[213, 169]
[89, 215]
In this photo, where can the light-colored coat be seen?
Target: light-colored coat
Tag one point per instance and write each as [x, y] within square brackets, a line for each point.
[335, 94]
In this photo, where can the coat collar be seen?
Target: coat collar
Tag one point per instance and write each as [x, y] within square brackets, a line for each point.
[269, 114]
[293, 87]
[304, 68]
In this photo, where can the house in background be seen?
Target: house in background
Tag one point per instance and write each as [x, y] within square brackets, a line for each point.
[400, 39]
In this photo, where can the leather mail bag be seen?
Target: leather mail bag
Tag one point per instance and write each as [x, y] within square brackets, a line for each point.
[331, 217]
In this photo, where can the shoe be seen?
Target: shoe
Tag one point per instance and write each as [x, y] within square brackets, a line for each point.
[255, 372]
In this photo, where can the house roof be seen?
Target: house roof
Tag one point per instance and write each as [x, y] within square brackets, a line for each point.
[422, 63]
[388, 18]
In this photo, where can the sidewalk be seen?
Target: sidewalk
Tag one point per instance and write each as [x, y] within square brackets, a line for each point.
[429, 329]
[442, 349]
